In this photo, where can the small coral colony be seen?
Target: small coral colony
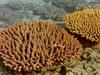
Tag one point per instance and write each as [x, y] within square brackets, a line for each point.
[33, 45]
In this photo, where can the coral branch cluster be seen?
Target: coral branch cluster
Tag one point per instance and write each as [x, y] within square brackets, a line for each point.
[27, 46]
[85, 23]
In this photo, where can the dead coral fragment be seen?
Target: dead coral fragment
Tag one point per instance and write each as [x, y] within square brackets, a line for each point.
[28, 46]
[85, 23]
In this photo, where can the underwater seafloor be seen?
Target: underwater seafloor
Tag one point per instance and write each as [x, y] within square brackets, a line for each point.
[52, 11]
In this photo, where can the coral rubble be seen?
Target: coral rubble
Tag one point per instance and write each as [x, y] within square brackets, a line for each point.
[85, 23]
[89, 65]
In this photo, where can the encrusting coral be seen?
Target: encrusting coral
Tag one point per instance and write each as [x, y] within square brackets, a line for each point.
[27, 46]
[85, 23]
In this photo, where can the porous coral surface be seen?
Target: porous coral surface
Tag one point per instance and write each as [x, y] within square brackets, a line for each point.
[27, 46]
[85, 23]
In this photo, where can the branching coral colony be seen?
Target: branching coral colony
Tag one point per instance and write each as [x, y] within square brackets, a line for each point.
[85, 23]
[27, 46]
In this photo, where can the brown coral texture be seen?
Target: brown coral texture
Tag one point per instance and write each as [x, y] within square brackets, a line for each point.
[85, 23]
[28, 46]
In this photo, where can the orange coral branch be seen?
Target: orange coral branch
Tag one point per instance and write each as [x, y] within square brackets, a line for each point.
[28, 46]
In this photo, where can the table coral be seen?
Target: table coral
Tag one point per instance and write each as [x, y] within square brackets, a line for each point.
[27, 46]
[85, 23]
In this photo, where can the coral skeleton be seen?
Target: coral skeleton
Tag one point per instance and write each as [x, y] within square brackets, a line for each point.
[85, 23]
[27, 46]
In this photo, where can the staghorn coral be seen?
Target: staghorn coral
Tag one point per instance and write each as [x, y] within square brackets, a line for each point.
[85, 23]
[68, 5]
[15, 10]
[47, 11]
[27, 46]
[6, 13]
[95, 5]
